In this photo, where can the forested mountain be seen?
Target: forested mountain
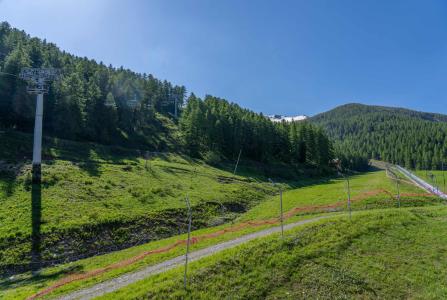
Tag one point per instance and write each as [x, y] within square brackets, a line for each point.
[94, 102]
[410, 138]
[90, 102]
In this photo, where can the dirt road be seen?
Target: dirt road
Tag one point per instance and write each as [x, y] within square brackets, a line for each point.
[126, 279]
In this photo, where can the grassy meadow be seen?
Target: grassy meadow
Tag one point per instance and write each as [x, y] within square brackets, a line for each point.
[319, 194]
[380, 254]
[95, 199]
[368, 190]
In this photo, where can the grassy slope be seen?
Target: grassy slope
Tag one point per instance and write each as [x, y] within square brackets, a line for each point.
[323, 193]
[90, 189]
[439, 178]
[333, 190]
[390, 254]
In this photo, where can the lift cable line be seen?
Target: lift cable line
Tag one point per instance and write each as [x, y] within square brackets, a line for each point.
[38, 83]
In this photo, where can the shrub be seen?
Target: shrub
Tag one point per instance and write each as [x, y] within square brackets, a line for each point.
[212, 158]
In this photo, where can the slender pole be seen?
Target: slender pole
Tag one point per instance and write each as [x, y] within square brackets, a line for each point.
[437, 184]
[187, 242]
[443, 176]
[432, 177]
[222, 210]
[349, 198]
[398, 192]
[37, 146]
[237, 163]
[282, 218]
[175, 106]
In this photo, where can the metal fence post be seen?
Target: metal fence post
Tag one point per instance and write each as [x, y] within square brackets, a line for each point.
[187, 242]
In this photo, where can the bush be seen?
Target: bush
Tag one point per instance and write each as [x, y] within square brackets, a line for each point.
[212, 158]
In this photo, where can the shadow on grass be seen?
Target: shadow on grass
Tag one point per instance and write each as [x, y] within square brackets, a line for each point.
[9, 183]
[13, 282]
[17, 148]
[89, 156]
[36, 219]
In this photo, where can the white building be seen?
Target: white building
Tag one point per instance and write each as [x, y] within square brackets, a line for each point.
[279, 118]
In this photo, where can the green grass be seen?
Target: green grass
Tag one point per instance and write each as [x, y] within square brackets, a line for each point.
[381, 254]
[72, 197]
[94, 197]
[325, 192]
[90, 190]
[437, 180]
[333, 190]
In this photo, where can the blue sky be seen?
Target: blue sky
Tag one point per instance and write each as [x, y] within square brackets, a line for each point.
[286, 57]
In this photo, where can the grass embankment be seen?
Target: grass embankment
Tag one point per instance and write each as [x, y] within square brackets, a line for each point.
[437, 180]
[388, 254]
[368, 191]
[96, 198]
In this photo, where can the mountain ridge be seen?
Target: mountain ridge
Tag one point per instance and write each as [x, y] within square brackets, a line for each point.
[365, 108]
[396, 135]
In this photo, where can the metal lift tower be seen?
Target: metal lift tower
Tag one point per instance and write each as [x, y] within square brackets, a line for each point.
[38, 79]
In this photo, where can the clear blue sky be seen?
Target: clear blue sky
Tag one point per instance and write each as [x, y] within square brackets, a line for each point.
[286, 57]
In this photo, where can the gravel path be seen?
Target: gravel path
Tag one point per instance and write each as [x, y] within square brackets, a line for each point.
[422, 183]
[126, 279]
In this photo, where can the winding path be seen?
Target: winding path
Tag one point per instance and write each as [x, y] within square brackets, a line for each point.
[126, 279]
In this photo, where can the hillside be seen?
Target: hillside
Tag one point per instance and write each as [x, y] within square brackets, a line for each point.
[190, 150]
[89, 190]
[91, 102]
[334, 259]
[410, 138]
[121, 150]
[370, 191]
[115, 106]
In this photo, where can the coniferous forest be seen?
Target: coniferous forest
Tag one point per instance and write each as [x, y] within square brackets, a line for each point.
[90, 102]
[104, 104]
[409, 138]
[217, 126]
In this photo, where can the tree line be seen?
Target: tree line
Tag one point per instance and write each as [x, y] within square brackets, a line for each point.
[217, 126]
[408, 138]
